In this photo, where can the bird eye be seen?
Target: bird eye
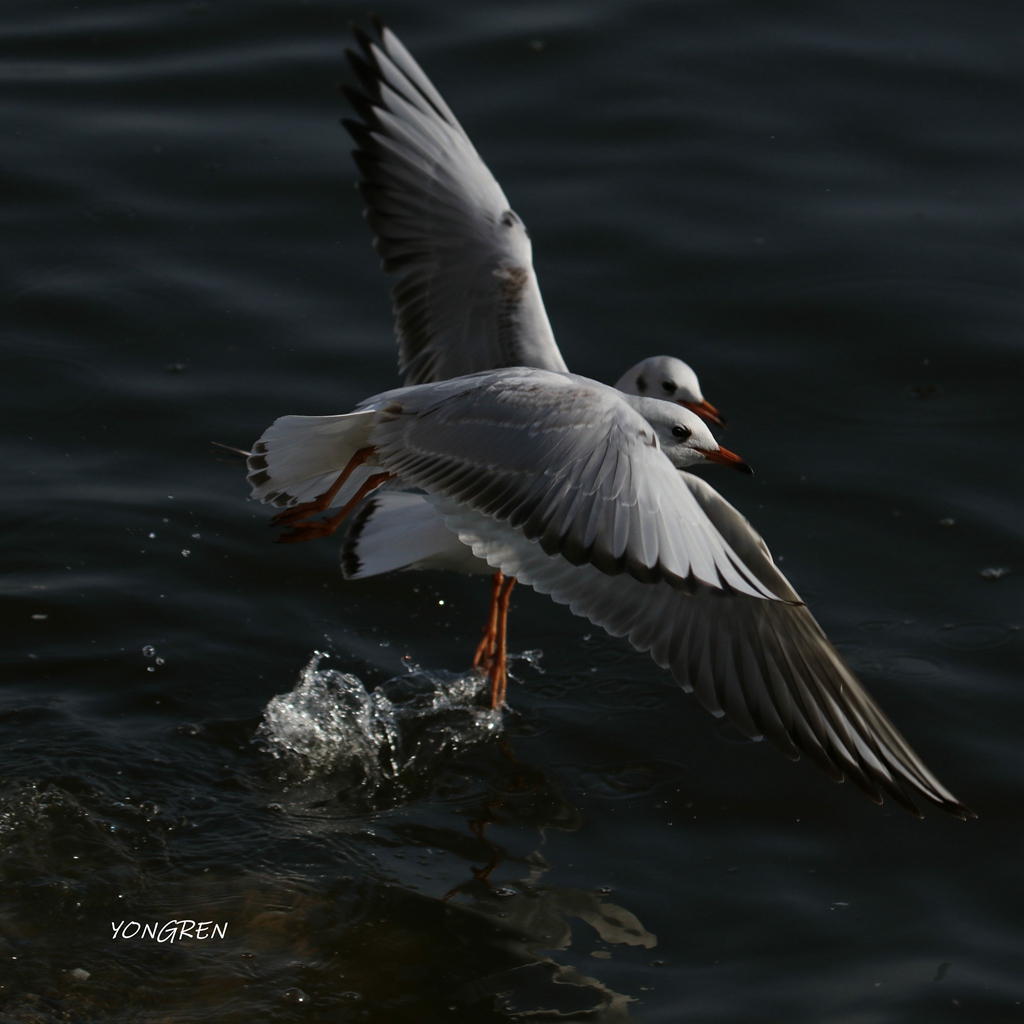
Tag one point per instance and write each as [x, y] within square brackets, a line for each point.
[681, 432]
[669, 386]
[641, 383]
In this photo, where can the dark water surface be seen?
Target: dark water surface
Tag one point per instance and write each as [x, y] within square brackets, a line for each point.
[818, 206]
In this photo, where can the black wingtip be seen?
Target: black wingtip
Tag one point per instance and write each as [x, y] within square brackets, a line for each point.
[366, 73]
[350, 560]
[362, 105]
[363, 38]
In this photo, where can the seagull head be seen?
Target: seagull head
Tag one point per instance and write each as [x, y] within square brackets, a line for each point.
[671, 380]
[684, 437]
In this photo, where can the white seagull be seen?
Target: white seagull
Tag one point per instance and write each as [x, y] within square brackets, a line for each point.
[467, 298]
[575, 489]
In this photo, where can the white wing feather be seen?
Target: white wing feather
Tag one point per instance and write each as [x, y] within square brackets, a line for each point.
[398, 530]
[468, 298]
[765, 664]
[565, 460]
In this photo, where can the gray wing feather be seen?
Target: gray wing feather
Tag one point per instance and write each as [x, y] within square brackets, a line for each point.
[468, 298]
[765, 664]
[567, 461]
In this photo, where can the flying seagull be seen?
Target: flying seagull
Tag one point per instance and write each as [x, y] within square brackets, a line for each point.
[576, 490]
[467, 298]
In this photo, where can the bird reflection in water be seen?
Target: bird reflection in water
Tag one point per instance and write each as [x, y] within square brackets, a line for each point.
[530, 916]
[407, 736]
[523, 793]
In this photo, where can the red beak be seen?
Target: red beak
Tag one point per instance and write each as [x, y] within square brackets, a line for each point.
[726, 458]
[706, 411]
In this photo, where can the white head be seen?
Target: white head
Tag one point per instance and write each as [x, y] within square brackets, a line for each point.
[684, 437]
[671, 380]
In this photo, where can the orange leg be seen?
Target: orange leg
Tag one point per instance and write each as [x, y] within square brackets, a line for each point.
[498, 669]
[325, 527]
[485, 649]
[479, 829]
[322, 501]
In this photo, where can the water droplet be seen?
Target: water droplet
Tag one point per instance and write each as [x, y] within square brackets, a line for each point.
[40, 617]
[996, 572]
[151, 535]
[195, 536]
[185, 552]
[532, 658]
[148, 651]
[504, 893]
[295, 995]
[160, 661]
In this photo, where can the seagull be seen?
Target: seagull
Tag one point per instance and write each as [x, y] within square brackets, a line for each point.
[671, 380]
[467, 298]
[581, 492]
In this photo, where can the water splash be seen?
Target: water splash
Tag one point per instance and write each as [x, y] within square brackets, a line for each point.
[28, 804]
[532, 658]
[331, 724]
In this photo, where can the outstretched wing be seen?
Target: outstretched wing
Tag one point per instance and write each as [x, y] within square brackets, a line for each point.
[567, 461]
[398, 530]
[467, 299]
[766, 665]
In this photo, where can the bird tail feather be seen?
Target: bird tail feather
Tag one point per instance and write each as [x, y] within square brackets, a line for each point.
[299, 457]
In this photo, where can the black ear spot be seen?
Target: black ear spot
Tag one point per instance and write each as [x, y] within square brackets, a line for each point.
[641, 383]
[668, 386]
[681, 432]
